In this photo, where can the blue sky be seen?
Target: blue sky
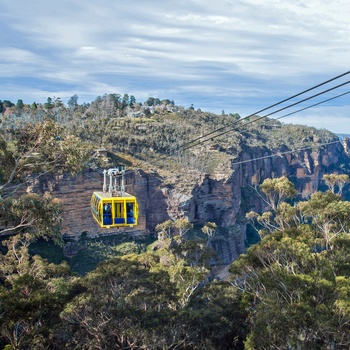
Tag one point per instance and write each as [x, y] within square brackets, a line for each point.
[233, 55]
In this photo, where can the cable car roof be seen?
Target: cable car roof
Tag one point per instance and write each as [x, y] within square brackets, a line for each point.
[104, 195]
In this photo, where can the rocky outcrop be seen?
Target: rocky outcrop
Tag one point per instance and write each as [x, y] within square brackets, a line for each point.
[346, 145]
[221, 199]
[226, 200]
[75, 192]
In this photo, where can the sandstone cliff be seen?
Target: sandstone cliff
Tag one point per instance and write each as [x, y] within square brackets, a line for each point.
[220, 198]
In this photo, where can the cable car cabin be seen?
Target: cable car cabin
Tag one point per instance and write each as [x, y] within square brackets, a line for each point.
[109, 211]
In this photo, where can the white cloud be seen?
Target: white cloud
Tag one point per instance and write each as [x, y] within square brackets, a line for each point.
[234, 55]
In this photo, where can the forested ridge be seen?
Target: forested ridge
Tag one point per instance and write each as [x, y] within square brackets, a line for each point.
[291, 290]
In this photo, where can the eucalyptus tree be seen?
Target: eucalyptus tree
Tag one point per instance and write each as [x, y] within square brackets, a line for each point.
[125, 305]
[19, 104]
[336, 180]
[276, 191]
[329, 215]
[295, 279]
[295, 295]
[73, 102]
[209, 229]
[279, 214]
[183, 226]
[33, 292]
[25, 156]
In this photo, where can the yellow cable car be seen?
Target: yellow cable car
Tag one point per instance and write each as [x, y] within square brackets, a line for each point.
[114, 208]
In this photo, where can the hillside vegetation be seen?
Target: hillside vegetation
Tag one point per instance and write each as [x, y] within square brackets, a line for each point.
[289, 291]
[153, 131]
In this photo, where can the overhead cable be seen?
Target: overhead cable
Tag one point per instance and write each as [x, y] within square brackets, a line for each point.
[314, 105]
[302, 109]
[263, 117]
[180, 148]
[286, 152]
[208, 136]
[277, 154]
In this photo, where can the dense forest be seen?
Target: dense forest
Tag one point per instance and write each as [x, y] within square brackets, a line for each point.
[291, 290]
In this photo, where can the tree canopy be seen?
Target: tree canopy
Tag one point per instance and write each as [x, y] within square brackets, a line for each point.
[289, 291]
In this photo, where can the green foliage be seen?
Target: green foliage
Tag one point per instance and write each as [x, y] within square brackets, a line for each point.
[7, 103]
[329, 214]
[277, 190]
[183, 226]
[39, 148]
[92, 252]
[217, 320]
[280, 215]
[333, 180]
[31, 213]
[29, 153]
[124, 304]
[20, 104]
[32, 293]
[209, 229]
[73, 102]
[106, 122]
[292, 293]
[49, 103]
[164, 229]
[290, 290]
[7, 162]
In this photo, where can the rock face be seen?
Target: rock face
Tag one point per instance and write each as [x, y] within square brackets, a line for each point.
[76, 191]
[223, 200]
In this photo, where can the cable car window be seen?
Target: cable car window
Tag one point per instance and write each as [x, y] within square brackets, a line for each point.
[130, 213]
[107, 208]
